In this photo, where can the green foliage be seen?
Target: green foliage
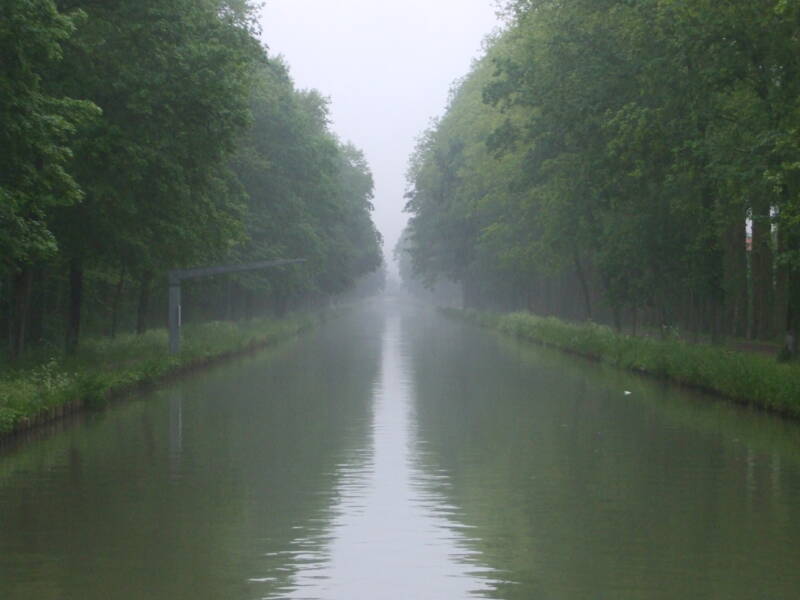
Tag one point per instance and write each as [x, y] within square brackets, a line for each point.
[35, 129]
[619, 150]
[308, 195]
[744, 377]
[153, 168]
[25, 395]
[140, 136]
[92, 391]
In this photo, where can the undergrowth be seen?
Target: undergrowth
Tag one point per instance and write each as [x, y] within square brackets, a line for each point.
[103, 366]
[745, 377]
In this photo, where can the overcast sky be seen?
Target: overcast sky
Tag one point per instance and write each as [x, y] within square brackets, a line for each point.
[387, 67]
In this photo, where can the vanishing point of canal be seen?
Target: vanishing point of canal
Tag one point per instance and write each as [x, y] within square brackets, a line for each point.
[392, 453]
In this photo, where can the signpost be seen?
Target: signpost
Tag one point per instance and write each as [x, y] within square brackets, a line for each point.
[179, 275]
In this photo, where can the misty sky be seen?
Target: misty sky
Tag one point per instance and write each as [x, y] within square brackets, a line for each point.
[387, 68]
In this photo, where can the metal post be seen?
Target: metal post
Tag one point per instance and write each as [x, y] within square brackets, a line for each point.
[178, 275]
[174, 315]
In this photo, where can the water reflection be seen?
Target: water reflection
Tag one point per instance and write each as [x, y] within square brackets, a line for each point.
[175, 432]
[392, 535]
[184, 493]
[575, 490]
[406, 457]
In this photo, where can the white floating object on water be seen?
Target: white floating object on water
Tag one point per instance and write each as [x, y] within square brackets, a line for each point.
[627, 393]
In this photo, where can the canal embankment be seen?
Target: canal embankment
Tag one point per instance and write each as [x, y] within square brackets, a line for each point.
[744, 377]
[104, 369]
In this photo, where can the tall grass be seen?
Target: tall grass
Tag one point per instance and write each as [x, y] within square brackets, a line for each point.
[104, 366]
[745, 377]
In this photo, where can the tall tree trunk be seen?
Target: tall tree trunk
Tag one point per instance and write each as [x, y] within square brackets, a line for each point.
[248, 304]
[120, 287]
[715, 314]
[530, 294]
[21, 302]
[616, 313]
[229, 299]
[535, 294]
[281, 304]
[584, 286]
[145, 283]
[663, 315]
[693, 316]
[549, 285]
[781, 298]
[468, 293]
[75, 305]
[762, 273]
[6, 296]
[734, 279]
[37, 310]
[788, 286]
[793, 316]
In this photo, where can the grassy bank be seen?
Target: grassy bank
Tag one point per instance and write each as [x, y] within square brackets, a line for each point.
[741, 376]
[48, 387]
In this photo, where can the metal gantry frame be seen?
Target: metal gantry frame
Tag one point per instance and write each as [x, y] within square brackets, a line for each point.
[177, 276]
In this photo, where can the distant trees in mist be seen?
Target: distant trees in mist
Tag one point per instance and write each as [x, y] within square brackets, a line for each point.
[138, 136]
[633, 162]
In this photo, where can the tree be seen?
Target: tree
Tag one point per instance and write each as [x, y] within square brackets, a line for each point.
[622, 152]
[308, 196]
[35, 128]
[173, 81]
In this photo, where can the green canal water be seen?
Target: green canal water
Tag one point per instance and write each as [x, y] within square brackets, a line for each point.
[393, 453]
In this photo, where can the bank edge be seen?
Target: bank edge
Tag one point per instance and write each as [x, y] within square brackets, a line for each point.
[743, 377]
[105, 369]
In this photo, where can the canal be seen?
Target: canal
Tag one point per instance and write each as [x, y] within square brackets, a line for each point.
[393, 453]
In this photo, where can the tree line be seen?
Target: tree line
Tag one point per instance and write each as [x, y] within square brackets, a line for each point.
[138, 136]
[636, 162]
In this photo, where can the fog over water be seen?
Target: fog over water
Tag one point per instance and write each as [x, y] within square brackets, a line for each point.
[387, 68]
